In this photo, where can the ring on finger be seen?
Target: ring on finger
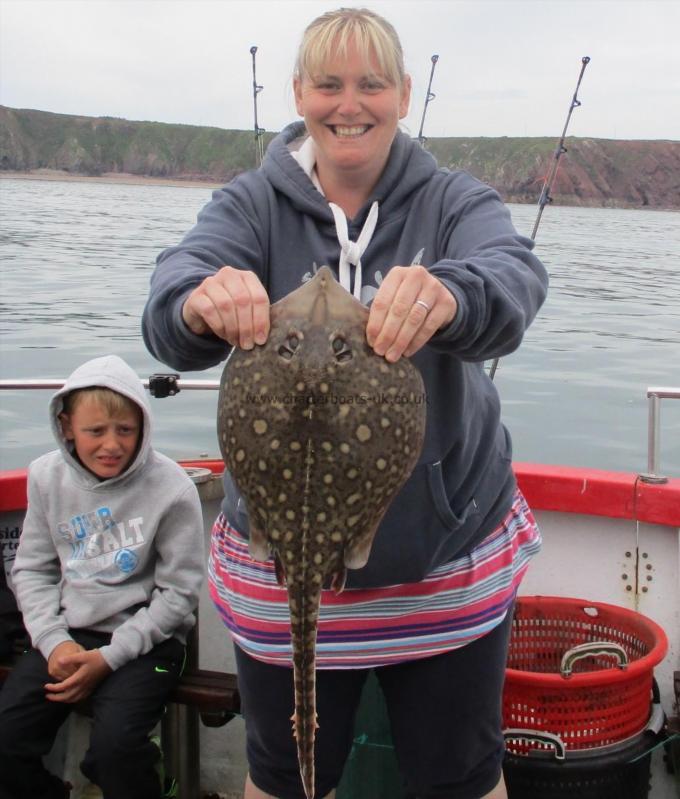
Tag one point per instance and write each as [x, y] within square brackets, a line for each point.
[424, 305]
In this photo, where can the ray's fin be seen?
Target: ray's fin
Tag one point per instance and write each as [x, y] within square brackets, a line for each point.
[278, 569]
[356, 554]
[258, 546]
[338, 581]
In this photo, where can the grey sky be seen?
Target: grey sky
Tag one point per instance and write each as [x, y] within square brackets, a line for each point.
[506, 67]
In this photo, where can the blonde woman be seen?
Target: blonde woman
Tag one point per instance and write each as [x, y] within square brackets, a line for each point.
[450, 283]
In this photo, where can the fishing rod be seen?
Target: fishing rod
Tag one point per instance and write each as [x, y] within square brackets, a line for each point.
[429, 96]
[560, 150]
[259, 132]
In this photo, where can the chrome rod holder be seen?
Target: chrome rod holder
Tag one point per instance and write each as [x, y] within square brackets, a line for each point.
[654, 397]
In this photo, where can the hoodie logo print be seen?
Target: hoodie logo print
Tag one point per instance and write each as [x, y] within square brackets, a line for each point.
[367, 292]
[309, 275]
[83, 525]
[126, 561]
[98, 542]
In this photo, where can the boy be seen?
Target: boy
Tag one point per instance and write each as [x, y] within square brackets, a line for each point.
[107, 576]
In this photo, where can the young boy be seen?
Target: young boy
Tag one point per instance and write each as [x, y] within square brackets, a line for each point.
[107, 576]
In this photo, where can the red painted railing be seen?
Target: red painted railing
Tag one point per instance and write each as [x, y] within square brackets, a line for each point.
[590, 492]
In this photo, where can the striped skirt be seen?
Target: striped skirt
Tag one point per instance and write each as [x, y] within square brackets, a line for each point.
[361, 628]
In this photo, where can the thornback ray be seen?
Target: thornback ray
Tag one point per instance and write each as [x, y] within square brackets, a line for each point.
[319, 434]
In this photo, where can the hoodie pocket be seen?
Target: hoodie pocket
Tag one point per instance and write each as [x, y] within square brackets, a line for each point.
[446, 515]
[85, 607]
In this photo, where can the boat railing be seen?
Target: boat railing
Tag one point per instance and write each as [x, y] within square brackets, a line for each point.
[168, 384]
[154, 384]
[654, 397]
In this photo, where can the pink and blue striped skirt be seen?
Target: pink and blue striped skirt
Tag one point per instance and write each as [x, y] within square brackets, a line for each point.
[361, 628]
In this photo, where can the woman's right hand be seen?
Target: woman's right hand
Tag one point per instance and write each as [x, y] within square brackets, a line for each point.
[233, 305]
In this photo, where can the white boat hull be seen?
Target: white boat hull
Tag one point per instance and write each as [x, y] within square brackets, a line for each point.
[608, 537]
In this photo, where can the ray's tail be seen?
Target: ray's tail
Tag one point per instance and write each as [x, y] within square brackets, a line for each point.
[304, 616]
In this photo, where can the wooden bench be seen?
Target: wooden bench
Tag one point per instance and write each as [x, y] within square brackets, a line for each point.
[202, 695]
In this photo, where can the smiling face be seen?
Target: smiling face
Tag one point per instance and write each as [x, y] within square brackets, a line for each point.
[105, 442]
[351, 111]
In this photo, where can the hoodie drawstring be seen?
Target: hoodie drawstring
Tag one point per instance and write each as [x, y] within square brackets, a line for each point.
[351, 251]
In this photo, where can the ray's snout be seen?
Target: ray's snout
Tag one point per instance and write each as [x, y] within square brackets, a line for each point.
[321, 301]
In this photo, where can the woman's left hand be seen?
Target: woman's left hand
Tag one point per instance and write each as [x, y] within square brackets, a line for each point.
[409, 308]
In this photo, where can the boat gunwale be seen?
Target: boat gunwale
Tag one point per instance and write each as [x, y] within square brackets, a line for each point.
[565, 489]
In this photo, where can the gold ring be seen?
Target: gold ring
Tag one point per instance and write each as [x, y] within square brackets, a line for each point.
[424, 304]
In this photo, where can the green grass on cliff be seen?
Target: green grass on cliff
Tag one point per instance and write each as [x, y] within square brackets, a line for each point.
[593, 171]
[36, 139]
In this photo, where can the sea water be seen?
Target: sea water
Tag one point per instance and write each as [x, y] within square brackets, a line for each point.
[75, 262]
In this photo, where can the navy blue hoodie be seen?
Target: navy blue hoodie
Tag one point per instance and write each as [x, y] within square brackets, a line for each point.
[276, 223]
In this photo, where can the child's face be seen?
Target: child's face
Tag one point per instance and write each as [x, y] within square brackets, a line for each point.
[105, 445]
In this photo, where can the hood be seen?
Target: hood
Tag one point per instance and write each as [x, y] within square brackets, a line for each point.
[407, 169]
[289, 165]
[111, 372]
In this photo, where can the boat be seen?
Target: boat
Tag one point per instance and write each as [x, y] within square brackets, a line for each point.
[609, 537]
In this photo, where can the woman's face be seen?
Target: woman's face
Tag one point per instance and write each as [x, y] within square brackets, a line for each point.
[352, 112]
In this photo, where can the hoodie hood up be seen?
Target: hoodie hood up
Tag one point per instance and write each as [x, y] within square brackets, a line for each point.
[113, 373]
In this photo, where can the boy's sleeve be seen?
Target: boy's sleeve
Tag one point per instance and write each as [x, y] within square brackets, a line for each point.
[36, 578]
[178, 573]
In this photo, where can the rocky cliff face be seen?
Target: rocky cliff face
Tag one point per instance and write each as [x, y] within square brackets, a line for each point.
[96, 145]
[595, 172]
[643, 174]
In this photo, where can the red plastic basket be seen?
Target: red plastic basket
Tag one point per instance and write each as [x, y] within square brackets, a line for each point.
[602, 699]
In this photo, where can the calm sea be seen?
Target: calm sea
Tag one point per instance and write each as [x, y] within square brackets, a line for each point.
[75, 261]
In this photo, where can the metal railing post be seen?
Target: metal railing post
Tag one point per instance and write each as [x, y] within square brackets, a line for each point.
[653, 423]
[654, 397]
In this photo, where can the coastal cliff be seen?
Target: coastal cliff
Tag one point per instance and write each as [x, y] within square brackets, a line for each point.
[593, 172]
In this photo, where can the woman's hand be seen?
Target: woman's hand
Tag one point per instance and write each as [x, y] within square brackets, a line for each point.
[88, 669]
[409, 308]
[232, 304]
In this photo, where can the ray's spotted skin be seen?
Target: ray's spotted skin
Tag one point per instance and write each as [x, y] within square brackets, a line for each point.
[319, 434]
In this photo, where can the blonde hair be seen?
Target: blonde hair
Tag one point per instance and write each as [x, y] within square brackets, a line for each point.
[112, 402]
[331, 33]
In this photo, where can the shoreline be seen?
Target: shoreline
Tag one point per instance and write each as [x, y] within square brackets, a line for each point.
[130, 179]
[125, 178]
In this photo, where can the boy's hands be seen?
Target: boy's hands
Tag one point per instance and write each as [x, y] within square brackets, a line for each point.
[85, 669]
[55, 667]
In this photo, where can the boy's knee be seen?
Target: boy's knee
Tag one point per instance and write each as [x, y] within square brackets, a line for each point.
[5, 737]
[111, 744]
[12, 743]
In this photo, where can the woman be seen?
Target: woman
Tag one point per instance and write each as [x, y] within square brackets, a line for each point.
[449, 282]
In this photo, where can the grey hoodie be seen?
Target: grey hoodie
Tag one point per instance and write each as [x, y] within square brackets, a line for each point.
[275, 222]
[123, 555]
